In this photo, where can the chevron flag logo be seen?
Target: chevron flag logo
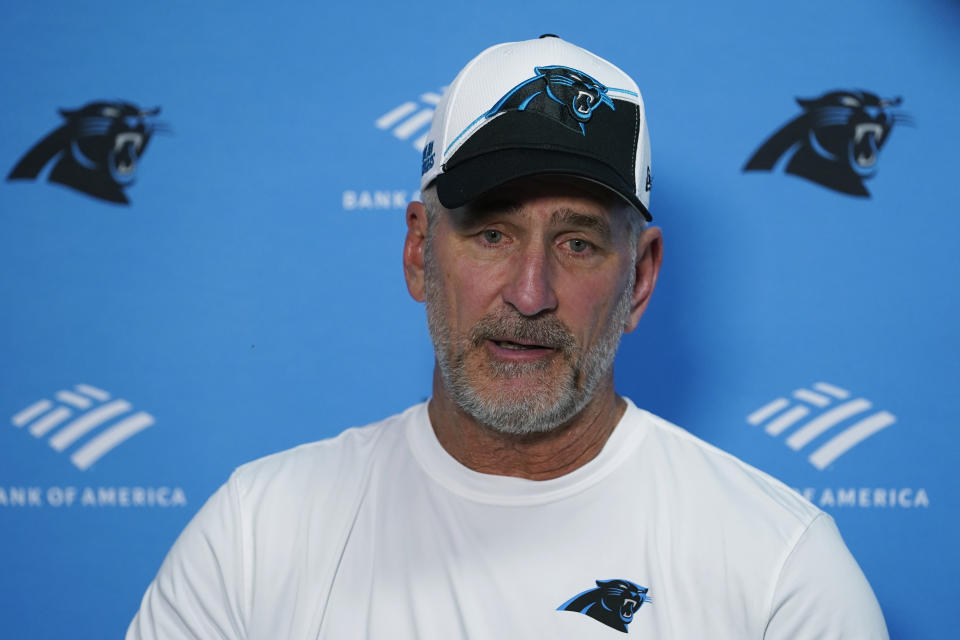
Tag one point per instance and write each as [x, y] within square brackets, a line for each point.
[810, 413]
[77, 413]
[411, 118]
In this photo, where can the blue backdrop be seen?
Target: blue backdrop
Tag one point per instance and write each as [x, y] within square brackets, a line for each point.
[249, 297]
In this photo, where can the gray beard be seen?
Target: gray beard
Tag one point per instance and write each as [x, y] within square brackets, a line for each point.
[559, 399]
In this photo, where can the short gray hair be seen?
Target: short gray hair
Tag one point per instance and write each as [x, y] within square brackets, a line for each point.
[431, 202]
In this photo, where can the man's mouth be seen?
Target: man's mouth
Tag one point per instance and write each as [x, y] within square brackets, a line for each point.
[518, 346]
[513, 351]
[523, 341]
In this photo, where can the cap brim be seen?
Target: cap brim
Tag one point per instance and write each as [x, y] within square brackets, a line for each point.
[472, 178]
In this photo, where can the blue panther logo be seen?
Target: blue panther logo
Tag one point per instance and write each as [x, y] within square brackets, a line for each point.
[613, 602]
[95, 151]
[835, 142]
[566, 95]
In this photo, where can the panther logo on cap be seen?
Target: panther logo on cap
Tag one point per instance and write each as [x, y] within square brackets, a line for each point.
[566, 95]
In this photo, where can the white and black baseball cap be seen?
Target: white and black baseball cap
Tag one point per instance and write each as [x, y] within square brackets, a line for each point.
[538, 107]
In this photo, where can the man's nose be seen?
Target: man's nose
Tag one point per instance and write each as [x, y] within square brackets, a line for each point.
[530, 287]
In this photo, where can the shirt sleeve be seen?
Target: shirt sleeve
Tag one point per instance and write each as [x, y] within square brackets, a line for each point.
[197, 593]
[822, 594]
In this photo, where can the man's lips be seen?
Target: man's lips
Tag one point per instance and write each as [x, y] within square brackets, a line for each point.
[518, 351]
[518, 344]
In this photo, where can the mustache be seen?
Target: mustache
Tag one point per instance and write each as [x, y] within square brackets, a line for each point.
[546, 331]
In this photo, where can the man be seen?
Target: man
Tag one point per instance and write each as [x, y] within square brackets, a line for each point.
[526, 499]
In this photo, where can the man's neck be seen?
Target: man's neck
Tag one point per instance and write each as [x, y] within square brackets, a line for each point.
[536, 456]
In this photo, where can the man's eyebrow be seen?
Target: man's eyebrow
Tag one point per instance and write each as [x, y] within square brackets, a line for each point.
[479, 212]
[490, 207]
[579, 219]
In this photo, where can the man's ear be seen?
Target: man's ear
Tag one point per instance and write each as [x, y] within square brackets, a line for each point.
[413, 249]
[649, 257]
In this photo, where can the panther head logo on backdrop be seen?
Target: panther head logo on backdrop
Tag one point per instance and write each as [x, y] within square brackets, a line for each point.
[98, 148]
[835, 142]
[564, 94]
[613, 602]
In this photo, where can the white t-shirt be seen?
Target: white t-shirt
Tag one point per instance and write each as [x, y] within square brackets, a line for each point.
[380, 533]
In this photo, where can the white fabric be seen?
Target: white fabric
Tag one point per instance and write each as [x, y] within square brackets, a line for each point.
[379, 533]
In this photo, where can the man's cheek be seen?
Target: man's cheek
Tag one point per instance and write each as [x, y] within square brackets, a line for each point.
[475, 297]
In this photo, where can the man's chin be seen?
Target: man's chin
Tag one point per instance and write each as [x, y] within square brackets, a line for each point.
[518, 405]
[514, 396]
[524, 420]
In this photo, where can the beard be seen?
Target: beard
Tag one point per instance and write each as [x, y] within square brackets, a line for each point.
[557, 388]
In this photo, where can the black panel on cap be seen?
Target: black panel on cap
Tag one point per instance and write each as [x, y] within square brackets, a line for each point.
[517, 144]
[480, 174]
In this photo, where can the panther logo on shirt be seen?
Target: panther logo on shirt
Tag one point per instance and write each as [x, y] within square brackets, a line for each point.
[613, 602]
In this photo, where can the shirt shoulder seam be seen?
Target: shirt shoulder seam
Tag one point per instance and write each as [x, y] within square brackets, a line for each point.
[791, 549]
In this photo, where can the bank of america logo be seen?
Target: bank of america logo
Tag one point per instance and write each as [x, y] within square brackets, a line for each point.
[411, 119]
[74, 414]
[810, 413]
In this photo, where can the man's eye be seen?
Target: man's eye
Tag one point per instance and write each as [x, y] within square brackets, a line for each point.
[492, 236]
[577, 245]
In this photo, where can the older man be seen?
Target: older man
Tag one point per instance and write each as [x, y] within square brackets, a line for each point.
[526, 499]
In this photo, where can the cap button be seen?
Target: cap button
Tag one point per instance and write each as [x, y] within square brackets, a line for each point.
[549, 35]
